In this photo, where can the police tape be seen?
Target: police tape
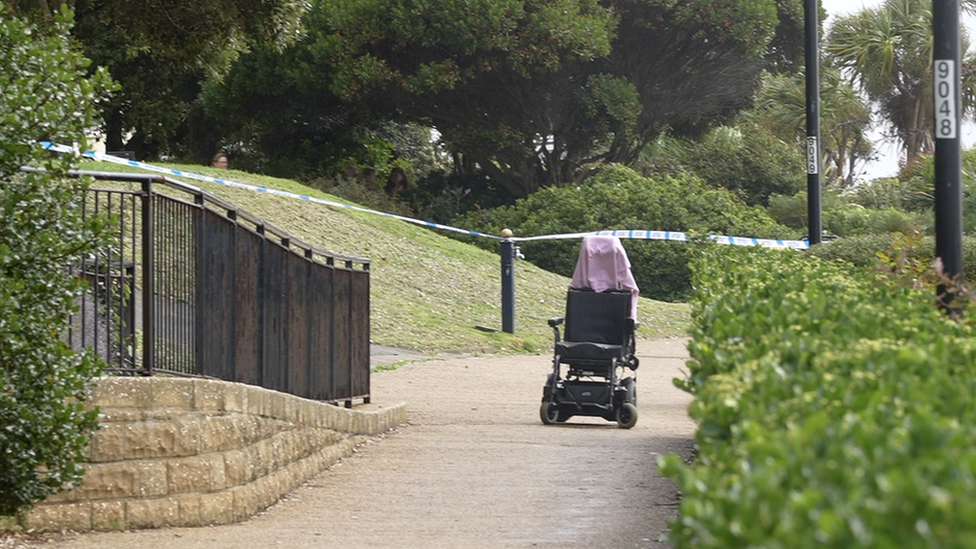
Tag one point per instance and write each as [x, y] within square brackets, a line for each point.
[180, 173]
[676, 236]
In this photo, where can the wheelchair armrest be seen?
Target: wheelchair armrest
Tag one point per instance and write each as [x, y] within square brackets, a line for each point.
[554, 322]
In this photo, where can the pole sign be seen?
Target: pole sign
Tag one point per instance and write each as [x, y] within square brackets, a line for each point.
[813, 156]
[945, 99]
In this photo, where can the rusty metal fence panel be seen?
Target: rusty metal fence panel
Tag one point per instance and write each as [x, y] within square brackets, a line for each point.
[190, 285]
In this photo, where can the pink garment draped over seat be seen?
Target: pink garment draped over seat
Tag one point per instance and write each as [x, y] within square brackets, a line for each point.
[603, 265]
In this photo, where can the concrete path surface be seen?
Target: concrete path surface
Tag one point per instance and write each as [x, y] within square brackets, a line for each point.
[475, 468]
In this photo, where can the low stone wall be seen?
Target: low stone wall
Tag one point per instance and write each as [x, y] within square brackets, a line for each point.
[191, 452]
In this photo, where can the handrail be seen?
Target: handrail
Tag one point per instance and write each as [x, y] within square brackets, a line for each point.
[223, 294]
[206, 197]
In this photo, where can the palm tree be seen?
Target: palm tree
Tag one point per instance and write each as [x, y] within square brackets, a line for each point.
[888, 51]
[844, 120]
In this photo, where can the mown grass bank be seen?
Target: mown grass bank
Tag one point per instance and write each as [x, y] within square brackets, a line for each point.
[428, 291]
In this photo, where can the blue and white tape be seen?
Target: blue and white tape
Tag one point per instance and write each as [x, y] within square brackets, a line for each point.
[728, 240]
[628, 234]
[190, 175]
[677, 237]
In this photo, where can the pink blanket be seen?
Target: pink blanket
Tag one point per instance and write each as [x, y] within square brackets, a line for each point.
[603, 265]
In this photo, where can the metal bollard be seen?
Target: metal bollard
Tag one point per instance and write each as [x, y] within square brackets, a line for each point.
[508, 282]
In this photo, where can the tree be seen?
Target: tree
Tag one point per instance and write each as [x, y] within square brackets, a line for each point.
[543, 92]
[43, 383]
[844, 117]
[888, 50]
[275, 110]
[744, 158]
[162, 52]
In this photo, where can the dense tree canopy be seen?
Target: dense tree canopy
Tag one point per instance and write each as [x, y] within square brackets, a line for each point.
[276, 112]
[535, 92]
[161, 51]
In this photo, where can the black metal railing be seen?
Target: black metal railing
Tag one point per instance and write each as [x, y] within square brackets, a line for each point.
[106, 317]
[192, 285]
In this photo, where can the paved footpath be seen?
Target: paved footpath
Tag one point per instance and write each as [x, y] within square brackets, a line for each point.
[475, 468]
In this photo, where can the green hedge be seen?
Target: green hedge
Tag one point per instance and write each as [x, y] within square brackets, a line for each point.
[834, 408]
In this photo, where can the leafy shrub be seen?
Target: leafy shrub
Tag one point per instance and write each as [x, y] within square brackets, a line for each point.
[791, 210]
[355, 191]
[915, 189]
[43, 383]
[834, 409]
[863, 251]
[903, 194]
[620, 198]
[852, 219]
[858, 250]
[843, 218]
[437, 197]
[745, 159]
[441, 197]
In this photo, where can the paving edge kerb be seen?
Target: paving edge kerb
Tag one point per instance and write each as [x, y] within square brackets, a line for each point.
[194, 452]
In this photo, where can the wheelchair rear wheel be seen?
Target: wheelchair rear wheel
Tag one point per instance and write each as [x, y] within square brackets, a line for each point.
[626, 415]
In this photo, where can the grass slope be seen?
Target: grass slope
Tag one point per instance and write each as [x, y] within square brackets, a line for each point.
[428, 291]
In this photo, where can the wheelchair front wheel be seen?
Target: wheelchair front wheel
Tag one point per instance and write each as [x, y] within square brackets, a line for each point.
[626, 415]
[549, 413]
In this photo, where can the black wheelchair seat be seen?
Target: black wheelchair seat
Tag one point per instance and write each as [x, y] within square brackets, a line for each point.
[585, 351]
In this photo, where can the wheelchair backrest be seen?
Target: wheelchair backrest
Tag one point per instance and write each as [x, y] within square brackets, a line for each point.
[603, 265]
[597, 317]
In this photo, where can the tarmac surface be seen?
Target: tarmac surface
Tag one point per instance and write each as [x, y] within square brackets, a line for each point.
[474, 468]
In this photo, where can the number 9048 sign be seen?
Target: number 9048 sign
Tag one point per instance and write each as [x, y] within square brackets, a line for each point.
[945, 99]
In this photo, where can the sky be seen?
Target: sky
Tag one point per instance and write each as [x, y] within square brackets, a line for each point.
[888, 151]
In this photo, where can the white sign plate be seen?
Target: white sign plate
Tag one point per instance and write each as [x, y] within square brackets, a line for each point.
[813, 156]
[946, 121]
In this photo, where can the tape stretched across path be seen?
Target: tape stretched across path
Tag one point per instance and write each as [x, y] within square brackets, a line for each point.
[627, 234]
[179, 173]
[729, 240]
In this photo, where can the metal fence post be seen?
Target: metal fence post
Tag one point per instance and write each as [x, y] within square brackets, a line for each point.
[148, 280]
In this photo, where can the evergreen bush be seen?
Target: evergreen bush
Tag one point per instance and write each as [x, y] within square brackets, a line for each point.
[45, 94]
[620, 198]
[863, 250]
[842, 217]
